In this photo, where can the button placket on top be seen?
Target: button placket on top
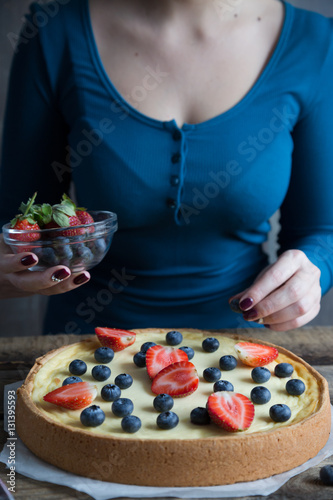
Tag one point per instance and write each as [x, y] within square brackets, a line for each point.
[181, 178]
[178, 168]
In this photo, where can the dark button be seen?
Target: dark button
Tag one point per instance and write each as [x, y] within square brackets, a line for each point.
[175, 158]
[174, 180]
[171, 203]
[177, 135]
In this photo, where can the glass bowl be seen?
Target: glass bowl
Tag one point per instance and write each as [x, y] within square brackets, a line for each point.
[78, 247]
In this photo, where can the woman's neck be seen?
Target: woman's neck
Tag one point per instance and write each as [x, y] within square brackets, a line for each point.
[199, 16]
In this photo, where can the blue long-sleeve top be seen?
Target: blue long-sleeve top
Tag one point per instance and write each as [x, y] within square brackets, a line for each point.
[193, 203]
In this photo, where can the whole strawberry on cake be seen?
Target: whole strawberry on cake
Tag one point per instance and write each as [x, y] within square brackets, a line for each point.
[173, 408]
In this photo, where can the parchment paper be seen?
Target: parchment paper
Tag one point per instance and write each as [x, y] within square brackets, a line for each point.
[31, 466]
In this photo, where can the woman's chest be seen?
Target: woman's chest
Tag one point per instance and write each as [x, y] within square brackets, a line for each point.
[186, 77]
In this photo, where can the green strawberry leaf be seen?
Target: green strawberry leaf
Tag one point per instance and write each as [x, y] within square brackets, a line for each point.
[30, 219]
[65, 209]
[61, 219]
[47, 209]
[13, 221]
[25, 207]
[65, 200]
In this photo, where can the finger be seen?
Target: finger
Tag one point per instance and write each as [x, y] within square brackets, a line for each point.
[296, 310]
[298, 289]
[67, 285]
[296, 322]
[14, 263]
[285, 267]
[39, 280]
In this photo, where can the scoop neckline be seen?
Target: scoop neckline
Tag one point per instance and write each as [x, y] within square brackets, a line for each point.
[116, 95]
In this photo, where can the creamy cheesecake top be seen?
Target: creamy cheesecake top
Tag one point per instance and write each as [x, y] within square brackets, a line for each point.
[52, 373]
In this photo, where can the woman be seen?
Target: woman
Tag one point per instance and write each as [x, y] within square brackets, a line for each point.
[193, 121]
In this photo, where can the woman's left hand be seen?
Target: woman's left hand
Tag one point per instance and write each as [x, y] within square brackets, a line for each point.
[285, 295]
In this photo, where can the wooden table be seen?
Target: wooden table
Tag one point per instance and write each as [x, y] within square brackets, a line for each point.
[315, 345]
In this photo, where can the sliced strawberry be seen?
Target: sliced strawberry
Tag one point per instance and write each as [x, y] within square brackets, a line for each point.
[178, 380]
[255, 354]
[158, 357]
[232, 411]
[116, 339]
[73, 396]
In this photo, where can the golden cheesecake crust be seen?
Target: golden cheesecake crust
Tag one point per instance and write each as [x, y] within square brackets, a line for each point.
[170, 462]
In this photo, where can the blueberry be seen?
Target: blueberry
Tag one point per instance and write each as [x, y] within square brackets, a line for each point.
[223, 385]
[65, 251]
[79, 249]
[122, 407]
[200, 416]
[104, 355]
[78, 237]
[39, 252]
[174, 338]
[295, 387]
[228, 363]
[131, 424]
[101, 372]
[210, 344]
[77, 367]
[260, 374]
[100, 246]
[61, 240]
[189, 351]
[326, 475]
[49, 256]
[85, 254]
[280, 413]
[284, 370]
[167, 420]
[71, 380]
[92, 416]
[211, 374]
[163, 402]
[140, 359]
[260, 395]
[110, 392]
[124, 380]
[234, 306]
[146, 345]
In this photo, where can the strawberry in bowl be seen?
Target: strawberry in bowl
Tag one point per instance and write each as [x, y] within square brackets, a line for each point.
[61, 234]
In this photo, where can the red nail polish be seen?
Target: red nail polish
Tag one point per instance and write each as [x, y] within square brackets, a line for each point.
[79, 280]
[60, 275]
[28, 260]
[246, 304]
[248, 316]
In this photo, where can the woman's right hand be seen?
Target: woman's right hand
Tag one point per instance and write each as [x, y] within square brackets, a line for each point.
[17, 281]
